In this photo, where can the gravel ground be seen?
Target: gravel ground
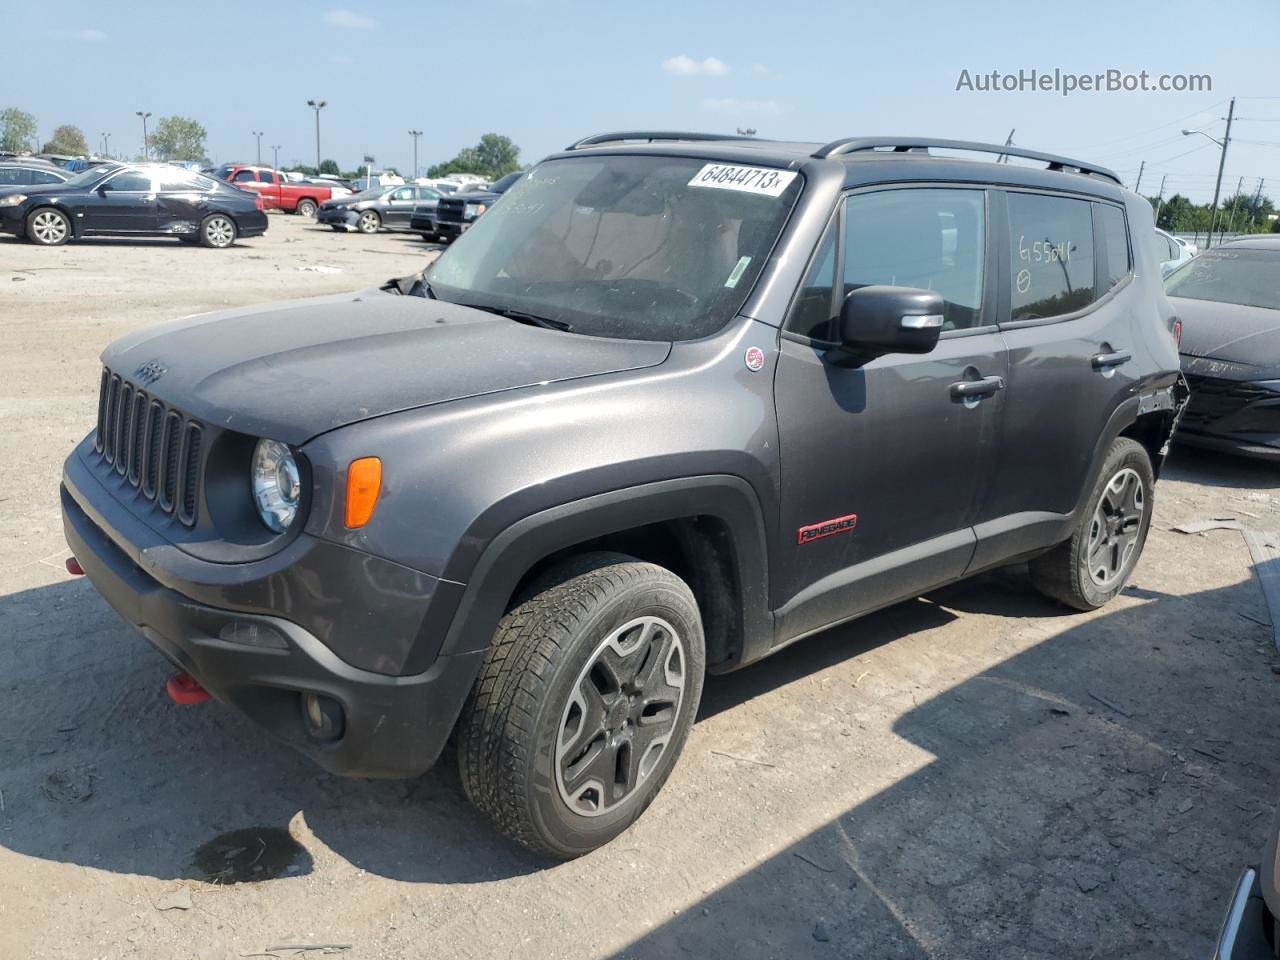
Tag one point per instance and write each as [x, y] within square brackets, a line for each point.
[977, 773]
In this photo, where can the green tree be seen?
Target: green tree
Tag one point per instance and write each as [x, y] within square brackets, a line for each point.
[493, 157]
[17, 130]
[67, 139]
[305, 169]
[330, 167]
[178, 138]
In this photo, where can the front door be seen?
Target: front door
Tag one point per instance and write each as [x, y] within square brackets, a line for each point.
[399, 207]
[124, 203]
[884, 464]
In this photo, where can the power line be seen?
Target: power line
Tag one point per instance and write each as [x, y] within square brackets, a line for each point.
[1159, 126]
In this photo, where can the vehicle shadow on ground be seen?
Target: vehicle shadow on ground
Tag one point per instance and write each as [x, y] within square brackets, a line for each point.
[1221, 469]
[98, 768]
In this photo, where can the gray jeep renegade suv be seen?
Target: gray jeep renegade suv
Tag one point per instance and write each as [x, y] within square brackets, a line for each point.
[676, 402]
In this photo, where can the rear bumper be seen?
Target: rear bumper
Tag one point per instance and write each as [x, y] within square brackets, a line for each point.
[261, 665]
[1243, 935]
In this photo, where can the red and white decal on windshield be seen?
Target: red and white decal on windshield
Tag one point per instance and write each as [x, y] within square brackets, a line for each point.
[827, 528]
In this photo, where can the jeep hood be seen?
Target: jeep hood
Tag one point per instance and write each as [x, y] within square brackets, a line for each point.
[1241, 335]
[293, 370]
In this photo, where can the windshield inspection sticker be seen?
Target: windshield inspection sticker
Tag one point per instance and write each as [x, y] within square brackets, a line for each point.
[738, 271]
[726, 176]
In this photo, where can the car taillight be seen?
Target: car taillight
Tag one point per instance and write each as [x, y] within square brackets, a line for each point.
[257, 201]
[1176, 330]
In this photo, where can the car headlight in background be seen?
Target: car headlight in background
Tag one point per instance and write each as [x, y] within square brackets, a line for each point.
[277, 486]
[472, 210]
[12, 200]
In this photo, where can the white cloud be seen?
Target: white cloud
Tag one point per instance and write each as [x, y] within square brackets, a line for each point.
[685, 66]
[91, 35]
[744, 108]
[349, 20]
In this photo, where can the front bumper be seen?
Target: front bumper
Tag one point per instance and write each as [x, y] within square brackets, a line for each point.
[339, 216]
[261, 665]
[11, 219]
[1234, 415]
[1243, 935]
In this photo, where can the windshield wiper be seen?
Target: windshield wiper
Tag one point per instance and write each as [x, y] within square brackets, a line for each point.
[532, 319]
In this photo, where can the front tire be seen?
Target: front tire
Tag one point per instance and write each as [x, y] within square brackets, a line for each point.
[1092, 567]
[369, 222]
[218, 231]
[583, 704]
[48, 227]
[305, 208]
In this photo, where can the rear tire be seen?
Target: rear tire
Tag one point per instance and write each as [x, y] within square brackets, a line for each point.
[305, 208]
[1092, 567]
[48, 227]
[218, 231]
[583, 704]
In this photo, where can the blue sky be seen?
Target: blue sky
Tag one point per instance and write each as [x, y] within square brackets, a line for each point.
[548, 71]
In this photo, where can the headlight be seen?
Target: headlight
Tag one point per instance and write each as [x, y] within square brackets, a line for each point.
[12, 200]
[473, 210]
[276, 485]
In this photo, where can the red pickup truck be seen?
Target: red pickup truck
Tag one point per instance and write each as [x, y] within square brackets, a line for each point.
[276, 191]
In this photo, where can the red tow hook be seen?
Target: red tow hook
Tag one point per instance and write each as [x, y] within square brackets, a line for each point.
[184, 689]
[74, 568]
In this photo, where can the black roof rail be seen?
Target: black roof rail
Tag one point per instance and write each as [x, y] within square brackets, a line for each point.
[650, 136]
[907, 144]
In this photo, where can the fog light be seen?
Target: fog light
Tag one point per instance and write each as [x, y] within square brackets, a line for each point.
[323, 716]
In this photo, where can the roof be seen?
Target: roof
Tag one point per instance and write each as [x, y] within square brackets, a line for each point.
[873, 159]
[1262, 241]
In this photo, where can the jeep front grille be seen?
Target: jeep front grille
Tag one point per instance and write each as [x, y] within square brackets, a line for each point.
[156, 448]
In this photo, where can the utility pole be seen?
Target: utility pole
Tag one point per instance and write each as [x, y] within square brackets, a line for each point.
[258, 134]
[106, 144]
[1142, 166]
[317, 106]
[146, 144]
[415, 134]
[1256, 197]
[1222, 162]
[1160, 199]
[275, 156]
[1235, 202]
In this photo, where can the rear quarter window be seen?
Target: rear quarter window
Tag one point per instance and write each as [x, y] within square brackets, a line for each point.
[1052, 256]
[1115, 261]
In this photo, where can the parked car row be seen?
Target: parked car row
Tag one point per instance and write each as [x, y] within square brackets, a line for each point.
[277, 191]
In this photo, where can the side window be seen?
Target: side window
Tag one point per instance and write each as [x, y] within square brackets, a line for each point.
[1051, 247]
[931, 239]
[178, 183]
[12, 175]
[404, 193]
[44, 176]
[813, 313]
[426, 193]
[266, 176]
[129, 183]
[243, 176]
[1115, 242]
[1175, 251]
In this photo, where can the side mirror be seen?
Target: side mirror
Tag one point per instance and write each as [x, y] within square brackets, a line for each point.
[877, 320]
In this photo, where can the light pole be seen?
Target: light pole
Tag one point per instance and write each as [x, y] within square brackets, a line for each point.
[106, 144]
[275, 154]
[1222, 162]
[317, 106]
[415, 134]
[258, 134]
[146, 144]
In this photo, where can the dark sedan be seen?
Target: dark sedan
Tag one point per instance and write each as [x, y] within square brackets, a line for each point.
[22, 174]
[132, 200]
[1228, 300]
[371, 210]
[458, 211]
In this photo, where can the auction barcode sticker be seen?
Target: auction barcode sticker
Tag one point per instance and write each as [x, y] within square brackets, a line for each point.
[726, 176]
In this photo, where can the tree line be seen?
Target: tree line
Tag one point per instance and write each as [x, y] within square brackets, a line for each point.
[1243, 213]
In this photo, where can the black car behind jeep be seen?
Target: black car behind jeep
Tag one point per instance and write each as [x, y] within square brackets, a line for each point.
[458, 211]
[676, 402]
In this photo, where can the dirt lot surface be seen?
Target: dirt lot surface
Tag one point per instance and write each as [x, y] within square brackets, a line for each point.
[975, 774]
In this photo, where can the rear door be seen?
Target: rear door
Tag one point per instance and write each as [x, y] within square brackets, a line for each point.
[182, 200]
[1066, 262]
[884, 464]
[123, 203]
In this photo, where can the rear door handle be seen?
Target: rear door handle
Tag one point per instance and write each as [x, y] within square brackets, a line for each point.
[976, 389]
[1105, 361]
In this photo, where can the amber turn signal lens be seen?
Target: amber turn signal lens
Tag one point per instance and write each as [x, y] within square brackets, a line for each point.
[364, 483]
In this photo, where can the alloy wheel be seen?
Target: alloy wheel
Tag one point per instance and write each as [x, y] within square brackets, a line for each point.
[621, 716]
[49, 227]
[368, 222]
[1113, 532]
[220, 232]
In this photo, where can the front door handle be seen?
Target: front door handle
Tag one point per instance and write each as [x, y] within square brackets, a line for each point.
[976, 389]
[1105, 361]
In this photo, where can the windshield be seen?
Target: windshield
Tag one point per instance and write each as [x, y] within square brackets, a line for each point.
[1250, 278]
[622, 246]
[90, 176]
[371, 194]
